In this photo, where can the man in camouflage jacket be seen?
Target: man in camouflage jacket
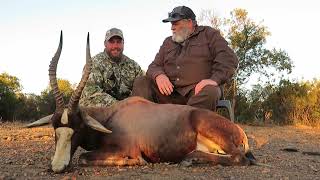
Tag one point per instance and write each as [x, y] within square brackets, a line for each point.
[112, 74]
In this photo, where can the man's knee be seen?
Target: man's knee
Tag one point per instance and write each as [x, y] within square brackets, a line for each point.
[211, 92]
[207, 98]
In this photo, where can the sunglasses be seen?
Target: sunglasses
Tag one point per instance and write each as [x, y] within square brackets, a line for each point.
[175, 15]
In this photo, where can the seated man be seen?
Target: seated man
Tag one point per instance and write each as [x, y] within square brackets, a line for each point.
[190, 65]
[112, 74]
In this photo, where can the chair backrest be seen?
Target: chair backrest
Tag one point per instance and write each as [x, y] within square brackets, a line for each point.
[223, 103]
[222, 91]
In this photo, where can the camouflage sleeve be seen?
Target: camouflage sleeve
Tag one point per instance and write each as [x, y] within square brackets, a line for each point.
[98, 100]
[93, 93]
[139, 71]
[134, 72]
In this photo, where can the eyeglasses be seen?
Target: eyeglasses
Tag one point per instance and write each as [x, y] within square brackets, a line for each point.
[175, 15]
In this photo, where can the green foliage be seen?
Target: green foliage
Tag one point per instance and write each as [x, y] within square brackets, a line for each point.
[9, 88]
[244, 109]
[11, 82]
[46, 101]
[296, 103]
[27, 107]
[66, 88]
[15, 105]
[287, 103]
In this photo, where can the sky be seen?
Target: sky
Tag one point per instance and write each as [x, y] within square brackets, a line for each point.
[29, 32]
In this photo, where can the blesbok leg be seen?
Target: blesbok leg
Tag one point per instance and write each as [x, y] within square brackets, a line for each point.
[215, 134]
[103, 158]
[199, 157]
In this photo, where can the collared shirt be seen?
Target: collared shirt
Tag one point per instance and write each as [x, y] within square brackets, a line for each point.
[204, 55]
[109, 80]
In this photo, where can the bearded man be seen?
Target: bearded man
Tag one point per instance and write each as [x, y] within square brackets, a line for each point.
[190, 65]
[112, 74]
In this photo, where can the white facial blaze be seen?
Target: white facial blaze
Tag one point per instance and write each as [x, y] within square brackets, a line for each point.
[64, 118]
[61, 157]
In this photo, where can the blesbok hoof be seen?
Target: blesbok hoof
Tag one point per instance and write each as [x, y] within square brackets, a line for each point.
[83, 161]
[186, 163]
[59, 169]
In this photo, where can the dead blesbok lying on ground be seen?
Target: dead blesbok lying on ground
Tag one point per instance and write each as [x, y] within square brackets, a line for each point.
[142, 131]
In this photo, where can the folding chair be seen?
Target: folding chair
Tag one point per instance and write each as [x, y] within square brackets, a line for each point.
[224, 103]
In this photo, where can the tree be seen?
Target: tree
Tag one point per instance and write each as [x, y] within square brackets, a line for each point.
[66, 88]
[248, 39]
[47, 101]
[27, 107]
[9, 90]
[11, 82]
[16, 105]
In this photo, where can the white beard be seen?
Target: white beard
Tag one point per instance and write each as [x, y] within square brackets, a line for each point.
[181, 36]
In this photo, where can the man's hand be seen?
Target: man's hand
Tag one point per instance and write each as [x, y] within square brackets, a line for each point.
[164, 85]
[202, 84]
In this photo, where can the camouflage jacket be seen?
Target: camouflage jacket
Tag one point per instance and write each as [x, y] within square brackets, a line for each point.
[109, 81]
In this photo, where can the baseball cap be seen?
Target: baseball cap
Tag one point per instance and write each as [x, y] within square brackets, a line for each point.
[178, 13]
[113, 32]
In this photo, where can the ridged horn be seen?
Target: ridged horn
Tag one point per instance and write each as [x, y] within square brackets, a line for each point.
[53, 77]
[40, 122]
[94, 124]
[74, 100]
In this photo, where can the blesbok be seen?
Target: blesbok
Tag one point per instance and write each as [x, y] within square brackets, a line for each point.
[142, 131]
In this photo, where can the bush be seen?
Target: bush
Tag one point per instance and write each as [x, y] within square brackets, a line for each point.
[288, 103]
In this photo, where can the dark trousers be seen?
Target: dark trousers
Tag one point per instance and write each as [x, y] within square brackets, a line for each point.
[207, 98]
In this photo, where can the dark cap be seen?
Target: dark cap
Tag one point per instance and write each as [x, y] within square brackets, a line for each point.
[180, 12]
[113, 32]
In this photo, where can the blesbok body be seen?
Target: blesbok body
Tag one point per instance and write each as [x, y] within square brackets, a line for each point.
[142, 131]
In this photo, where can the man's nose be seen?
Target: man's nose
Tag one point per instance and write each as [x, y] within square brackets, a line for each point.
[116, 45]
[173, 27]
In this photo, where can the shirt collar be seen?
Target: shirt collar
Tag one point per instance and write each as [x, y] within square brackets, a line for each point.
[197, 30]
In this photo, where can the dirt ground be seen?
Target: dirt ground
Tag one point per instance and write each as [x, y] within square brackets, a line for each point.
[26, 154]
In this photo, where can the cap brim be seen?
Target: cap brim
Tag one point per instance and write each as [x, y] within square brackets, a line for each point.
[170, 19]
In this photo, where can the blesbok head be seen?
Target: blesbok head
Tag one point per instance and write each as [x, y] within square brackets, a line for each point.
[69, 121]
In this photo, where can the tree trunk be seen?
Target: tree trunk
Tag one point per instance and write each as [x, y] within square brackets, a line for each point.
[234, 95]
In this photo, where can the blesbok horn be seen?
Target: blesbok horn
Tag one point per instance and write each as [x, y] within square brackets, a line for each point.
[94, 124]
[74, 100]
[53, 78]
[54, 85]
[40, 122]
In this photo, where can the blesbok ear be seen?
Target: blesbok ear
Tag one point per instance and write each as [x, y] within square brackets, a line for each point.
[41, 122]
[94, 124]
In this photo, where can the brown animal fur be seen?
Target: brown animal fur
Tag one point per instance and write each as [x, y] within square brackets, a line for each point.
[162, 133]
